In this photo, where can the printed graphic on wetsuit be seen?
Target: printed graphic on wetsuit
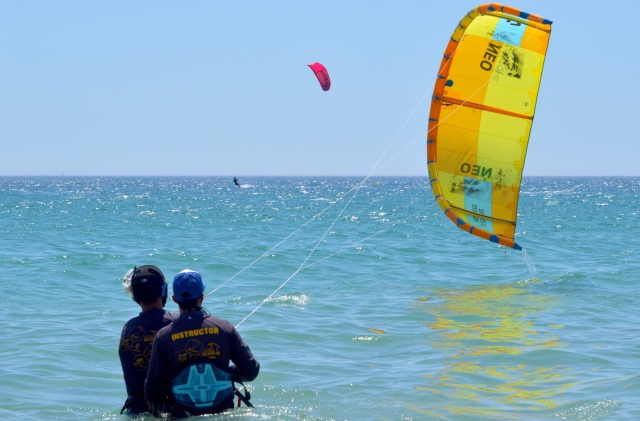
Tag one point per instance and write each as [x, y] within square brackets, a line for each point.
[195, 350]
[139, 343]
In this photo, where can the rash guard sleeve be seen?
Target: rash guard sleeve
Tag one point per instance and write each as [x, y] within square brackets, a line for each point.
[246, 367]
[158, 375]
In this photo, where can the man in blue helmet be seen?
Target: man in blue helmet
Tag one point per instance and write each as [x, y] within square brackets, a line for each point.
[191, 356]
[147, 286]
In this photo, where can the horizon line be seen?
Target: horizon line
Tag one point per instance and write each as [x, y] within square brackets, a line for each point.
[264, 176]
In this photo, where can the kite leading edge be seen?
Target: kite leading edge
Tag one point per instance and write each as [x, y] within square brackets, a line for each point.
[481, 115]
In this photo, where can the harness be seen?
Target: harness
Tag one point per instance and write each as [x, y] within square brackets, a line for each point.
[203, 388]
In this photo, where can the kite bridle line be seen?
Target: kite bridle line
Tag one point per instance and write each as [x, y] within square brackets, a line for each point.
[526, 257]
[357, 188]
[265, 254]
[365, 239]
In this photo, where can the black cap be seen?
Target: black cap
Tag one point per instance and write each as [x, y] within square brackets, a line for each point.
[146, 275]
[147, 282]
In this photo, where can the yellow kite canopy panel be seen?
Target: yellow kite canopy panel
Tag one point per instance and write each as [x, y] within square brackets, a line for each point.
[481, 115]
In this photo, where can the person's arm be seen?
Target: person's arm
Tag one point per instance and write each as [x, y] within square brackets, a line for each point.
[158, 376]
[126, 364]
[246, 367]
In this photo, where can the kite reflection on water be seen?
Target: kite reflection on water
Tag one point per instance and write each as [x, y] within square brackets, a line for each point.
[496, 364]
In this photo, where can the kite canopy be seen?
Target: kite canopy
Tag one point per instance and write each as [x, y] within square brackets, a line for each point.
[322, 75]
[481, 114]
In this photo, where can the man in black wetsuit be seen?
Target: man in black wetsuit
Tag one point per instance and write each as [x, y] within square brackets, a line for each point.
[191, 356]
[147, 287]
[235, 180]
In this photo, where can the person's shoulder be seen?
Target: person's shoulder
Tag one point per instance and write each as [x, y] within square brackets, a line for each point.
[153, 315]
[215, 319]
[221, 323]
[153, 319]
[171, 315]
[134, 321]
[165, 330]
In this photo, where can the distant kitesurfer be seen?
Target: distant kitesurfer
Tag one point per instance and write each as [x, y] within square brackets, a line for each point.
[235, 180]
[147, 287]
[197, 349]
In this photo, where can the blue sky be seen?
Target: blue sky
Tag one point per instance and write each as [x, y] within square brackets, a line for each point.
[222, 88]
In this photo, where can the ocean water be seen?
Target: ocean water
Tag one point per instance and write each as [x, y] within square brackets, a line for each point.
[370, 306]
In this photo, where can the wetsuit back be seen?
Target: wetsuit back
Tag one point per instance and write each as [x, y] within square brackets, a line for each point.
[193, 355]
[136, 342]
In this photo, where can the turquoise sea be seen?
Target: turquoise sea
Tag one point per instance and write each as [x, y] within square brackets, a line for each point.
[370, 306]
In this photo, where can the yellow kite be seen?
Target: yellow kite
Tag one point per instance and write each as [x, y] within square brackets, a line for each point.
[481, 114]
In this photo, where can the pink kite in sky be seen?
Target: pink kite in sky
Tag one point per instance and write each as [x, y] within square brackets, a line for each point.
[322, 75]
